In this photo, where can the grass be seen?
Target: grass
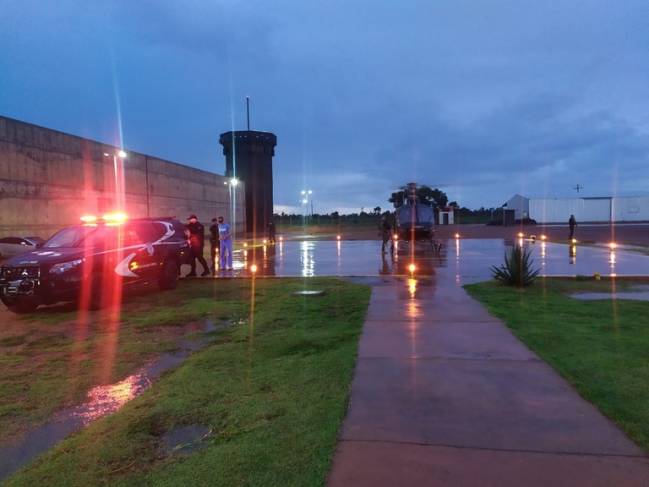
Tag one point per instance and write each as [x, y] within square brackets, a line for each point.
[272, 389]
[598, 346]
[51, 358]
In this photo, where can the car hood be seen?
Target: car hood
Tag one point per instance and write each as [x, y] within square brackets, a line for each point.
[44, 256]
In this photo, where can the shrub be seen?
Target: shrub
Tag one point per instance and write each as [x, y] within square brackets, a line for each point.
[517, 269]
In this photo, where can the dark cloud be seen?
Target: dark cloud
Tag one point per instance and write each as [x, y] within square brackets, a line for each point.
[486, 98]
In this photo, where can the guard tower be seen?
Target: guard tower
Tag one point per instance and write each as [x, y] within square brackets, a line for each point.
[249, 157]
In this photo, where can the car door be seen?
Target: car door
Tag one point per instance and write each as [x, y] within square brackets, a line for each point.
[139, 251]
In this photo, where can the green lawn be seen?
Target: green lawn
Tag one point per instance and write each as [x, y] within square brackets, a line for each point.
[273, 389]
[601, 347]
[51, 358]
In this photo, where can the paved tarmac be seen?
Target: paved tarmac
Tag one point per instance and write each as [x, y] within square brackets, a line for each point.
[467, 259]
[444, 394]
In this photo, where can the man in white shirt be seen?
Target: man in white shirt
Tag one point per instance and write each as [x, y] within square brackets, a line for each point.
[225, 241]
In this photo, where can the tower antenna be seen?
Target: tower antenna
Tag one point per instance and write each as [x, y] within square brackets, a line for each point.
[248, 111]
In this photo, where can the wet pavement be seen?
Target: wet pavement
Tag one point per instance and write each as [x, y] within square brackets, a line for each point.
[467, 259]
[444, 394]
[436, 372]
[101, 401]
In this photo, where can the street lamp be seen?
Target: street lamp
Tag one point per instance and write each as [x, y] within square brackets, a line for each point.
[118, 169]
[306, 196]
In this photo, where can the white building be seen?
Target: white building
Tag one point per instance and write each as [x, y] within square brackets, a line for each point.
[595, 210]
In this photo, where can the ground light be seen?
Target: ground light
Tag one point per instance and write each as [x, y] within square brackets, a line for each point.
[253, 268]
[544, 237]
[457, 235]
[88, 218]
[395, 236]
[521, 235]
[338, 237]
[574, 240]
[412, 268]
[612, 245]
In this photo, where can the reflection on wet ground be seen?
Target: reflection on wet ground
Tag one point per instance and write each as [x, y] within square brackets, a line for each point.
[431, 284]
[101, 400]
[467, 260]
[636, 293]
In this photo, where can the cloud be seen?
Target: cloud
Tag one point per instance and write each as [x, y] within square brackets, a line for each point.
[483, 100]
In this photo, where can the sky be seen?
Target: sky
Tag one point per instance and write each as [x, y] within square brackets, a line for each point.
[481, 98]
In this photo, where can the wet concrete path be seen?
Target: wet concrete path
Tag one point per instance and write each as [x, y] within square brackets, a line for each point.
[444, 394]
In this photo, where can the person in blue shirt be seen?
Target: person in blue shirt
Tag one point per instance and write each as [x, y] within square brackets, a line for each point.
[225, 241]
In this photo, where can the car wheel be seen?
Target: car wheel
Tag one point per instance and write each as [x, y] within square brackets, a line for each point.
[169, 275]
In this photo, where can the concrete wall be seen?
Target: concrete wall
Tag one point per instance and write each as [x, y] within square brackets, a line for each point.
[48, 179]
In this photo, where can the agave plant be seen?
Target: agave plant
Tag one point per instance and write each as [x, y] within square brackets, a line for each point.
[517, 269]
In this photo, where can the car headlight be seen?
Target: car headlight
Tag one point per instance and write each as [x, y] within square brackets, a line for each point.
[65, 266]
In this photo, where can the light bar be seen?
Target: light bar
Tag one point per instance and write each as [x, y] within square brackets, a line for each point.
[88, 218]
[117, 217]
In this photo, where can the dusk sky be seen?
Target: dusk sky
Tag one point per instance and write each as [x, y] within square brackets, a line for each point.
[481, 98]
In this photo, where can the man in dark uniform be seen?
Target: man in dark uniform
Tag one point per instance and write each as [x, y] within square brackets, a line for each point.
[572, 223]
[386, 233]
[214, 243]
[196, 241]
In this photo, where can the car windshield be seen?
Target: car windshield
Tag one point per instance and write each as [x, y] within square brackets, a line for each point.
[69, 237]
[91, 236]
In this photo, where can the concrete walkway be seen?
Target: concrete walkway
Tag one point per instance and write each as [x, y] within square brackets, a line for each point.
[444, 394]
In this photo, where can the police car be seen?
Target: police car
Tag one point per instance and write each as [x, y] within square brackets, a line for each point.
[91, 261]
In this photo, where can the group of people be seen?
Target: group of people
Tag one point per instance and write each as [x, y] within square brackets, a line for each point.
[220, 242]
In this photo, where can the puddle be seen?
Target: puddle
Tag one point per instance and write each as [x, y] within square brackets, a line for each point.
[185, 439]
[101, 401]
[635, 296]
[308, 292]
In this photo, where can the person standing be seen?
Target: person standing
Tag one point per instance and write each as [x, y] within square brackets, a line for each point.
[572, 223]
[271, 232]
[196, 242]
[225, 240]
[214, 243]
[386, 232]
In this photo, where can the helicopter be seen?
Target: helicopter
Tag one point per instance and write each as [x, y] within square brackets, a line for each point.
[414, 218]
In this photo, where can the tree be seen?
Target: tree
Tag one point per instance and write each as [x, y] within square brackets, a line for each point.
[377, 210]
[425, 194]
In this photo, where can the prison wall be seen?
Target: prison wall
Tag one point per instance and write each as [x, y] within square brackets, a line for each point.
[48, 179]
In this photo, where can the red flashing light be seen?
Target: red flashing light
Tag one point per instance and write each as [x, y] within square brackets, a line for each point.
[88, 218]
[117, 217]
